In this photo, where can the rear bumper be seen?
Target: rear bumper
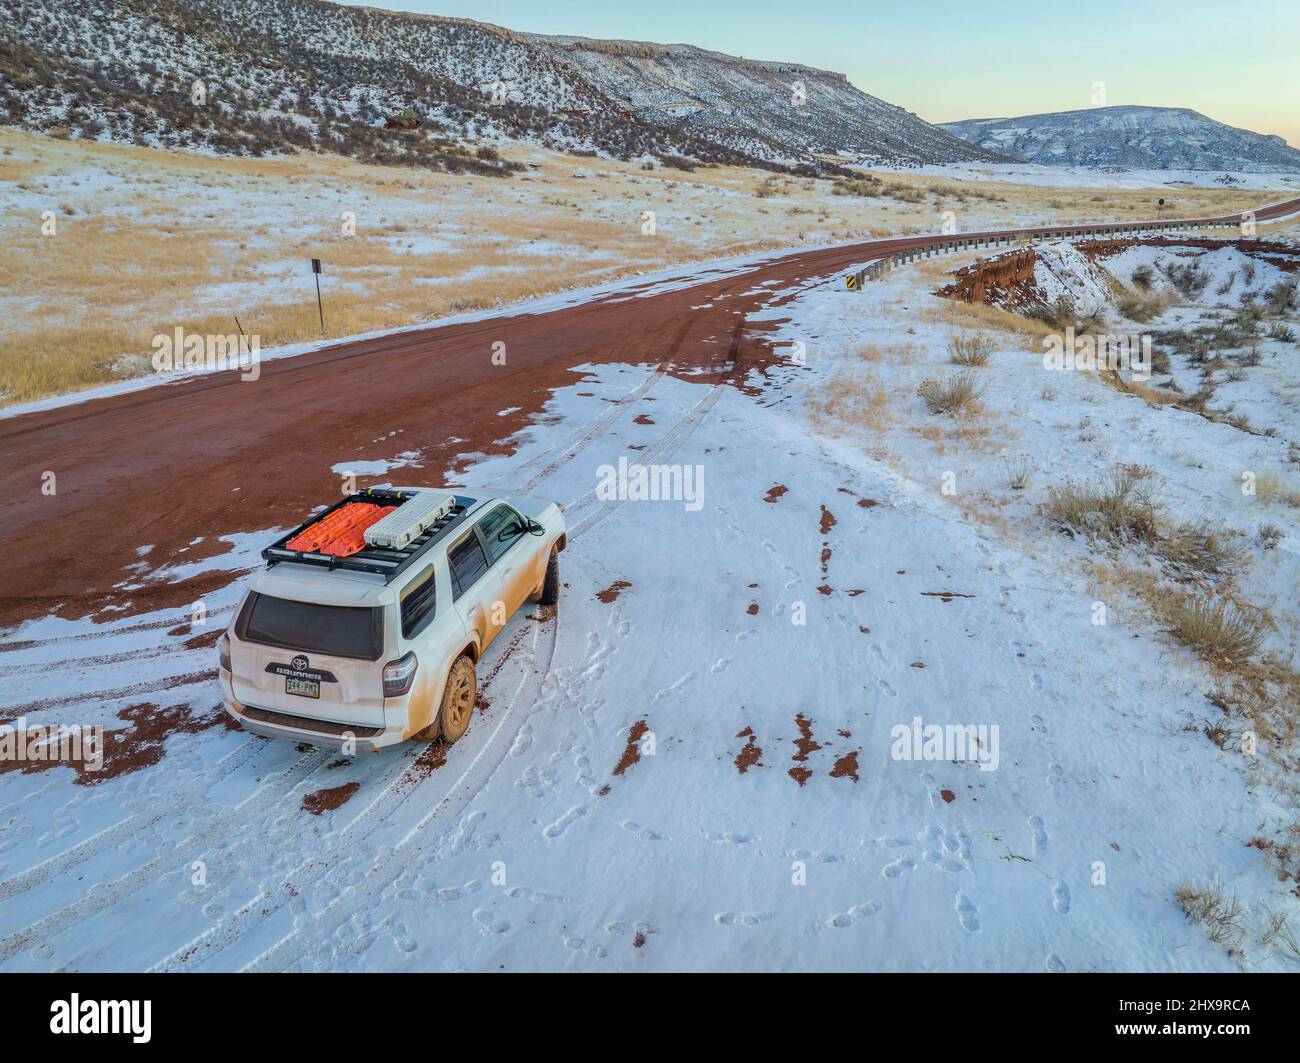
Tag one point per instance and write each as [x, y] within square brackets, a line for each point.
[271, 724]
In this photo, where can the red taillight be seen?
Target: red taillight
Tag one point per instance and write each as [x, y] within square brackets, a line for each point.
[223, 651]
[399, 675]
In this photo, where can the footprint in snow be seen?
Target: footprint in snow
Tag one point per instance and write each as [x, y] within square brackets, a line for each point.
[888, 842]
[619, 928]
[557, 829]
[1037, 835]
[1061, 898]
[667, 692]
[967, 914]
[810, 855]
[742, 918]
[896, 869]
[520, 893]
[589, 949]
[455, 893]
[858, 911]
[644, 833]
[489, 923]
[728, 838]
[523, 740]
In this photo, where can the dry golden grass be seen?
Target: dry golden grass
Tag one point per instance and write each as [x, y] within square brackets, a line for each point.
[849, 402]
[1221, 914]
[955, 395]
[971, 351]
[1273, 487]
[1260, 691]
[955, 312]
[1217, 630]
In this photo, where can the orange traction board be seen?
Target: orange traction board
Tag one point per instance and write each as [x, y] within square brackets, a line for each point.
[342, 532]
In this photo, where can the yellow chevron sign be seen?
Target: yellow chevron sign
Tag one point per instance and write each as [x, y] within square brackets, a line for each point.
[851, 281]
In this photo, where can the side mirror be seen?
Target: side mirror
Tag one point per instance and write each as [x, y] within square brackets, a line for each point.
[535, 528]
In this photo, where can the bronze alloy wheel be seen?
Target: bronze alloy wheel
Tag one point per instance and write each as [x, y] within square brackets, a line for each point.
[458, 699]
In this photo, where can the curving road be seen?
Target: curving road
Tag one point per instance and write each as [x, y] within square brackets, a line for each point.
[212, 455]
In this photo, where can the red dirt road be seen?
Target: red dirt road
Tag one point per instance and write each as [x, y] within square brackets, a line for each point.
[213, 455]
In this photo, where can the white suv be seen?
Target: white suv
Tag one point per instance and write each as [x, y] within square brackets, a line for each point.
[369, 648]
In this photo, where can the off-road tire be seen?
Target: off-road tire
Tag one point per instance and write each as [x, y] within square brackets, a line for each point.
[551, 584]
[458, 697]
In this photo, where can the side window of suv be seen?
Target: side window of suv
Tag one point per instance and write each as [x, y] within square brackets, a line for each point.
[418, 603]
[467, 563]
[501, 529]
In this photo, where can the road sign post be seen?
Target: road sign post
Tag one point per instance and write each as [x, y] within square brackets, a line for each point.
[320, 309]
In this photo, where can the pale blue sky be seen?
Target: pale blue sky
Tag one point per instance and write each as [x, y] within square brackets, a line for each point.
[948, 59]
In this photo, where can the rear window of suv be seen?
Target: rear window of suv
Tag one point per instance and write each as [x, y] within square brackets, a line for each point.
[334, 630]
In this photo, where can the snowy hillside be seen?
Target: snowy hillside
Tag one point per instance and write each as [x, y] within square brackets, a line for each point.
[1149, 138]
[274, 75]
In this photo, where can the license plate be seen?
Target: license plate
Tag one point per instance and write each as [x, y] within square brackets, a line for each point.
[304, 688]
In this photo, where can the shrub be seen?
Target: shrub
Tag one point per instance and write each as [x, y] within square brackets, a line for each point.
[905, 193]
[1018, 470]
[958, 394]
[1201, 548]
[1121, 509]
[1283, 296]
[970, 350]
[1216, 630]
[865, 186]
[1137, 308]
[1270, 535]
[1271, 486]
[1218, 913]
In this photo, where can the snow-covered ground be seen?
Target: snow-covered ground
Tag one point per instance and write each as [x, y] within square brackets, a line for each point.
[697, 763]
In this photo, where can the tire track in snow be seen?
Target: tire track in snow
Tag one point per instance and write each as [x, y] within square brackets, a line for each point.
[107, 633]
[475, 777]
[664, 447]
[130, 827]
[102, 897]
[572, 447]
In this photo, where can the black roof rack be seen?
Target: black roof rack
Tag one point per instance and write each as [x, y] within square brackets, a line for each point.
[379, 560]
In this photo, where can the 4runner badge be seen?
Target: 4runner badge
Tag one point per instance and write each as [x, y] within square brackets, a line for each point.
[298, 668]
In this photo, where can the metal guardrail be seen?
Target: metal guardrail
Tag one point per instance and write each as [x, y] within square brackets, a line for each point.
[928, 247]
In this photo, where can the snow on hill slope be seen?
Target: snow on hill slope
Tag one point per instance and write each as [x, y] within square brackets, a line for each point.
[750, 105]
[278, 74]
[705, 758]
[1150, 138]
